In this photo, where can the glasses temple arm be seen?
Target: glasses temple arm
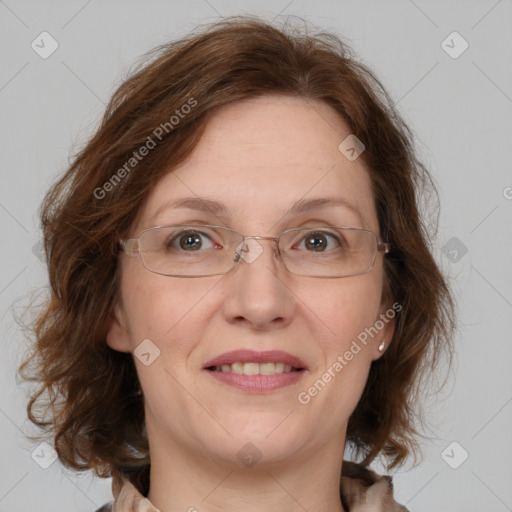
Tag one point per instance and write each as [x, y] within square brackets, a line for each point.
[383, 247]
[130, 247]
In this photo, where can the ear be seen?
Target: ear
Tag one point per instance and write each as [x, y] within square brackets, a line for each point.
[385, 323]
[117, 334]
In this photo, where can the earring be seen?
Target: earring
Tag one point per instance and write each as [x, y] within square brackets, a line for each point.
[382, 345]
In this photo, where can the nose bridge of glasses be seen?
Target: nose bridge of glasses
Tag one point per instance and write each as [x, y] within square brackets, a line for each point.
[250, 251]
[275, 238]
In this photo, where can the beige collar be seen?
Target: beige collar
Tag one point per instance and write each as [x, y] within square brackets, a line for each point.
[361, 490]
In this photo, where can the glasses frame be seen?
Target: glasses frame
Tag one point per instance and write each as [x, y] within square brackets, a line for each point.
[131, 247]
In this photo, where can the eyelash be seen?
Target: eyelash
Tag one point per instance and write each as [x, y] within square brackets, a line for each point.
[176, 237]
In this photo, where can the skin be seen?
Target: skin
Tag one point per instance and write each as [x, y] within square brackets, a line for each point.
[257, 156]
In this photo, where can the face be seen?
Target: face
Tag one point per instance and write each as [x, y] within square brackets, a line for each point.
[258, 157]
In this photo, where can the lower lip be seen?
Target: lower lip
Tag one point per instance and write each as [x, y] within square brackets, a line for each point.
[257, 383]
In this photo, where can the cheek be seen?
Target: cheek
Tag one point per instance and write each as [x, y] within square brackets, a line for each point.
[166, 312]
[157, 306]
[347, 308]
[343, 347]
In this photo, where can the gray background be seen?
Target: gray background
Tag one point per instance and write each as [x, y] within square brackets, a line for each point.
[460, 109]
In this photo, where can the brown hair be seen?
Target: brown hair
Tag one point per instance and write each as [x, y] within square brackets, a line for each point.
[96, 403]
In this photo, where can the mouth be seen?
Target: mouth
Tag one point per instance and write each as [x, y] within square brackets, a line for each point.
[251, 362]
[253, 371]
[253, 368]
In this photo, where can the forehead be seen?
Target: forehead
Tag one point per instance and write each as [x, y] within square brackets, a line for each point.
[261, 156]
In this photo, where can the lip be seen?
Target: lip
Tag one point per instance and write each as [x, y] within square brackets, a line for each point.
[252, 356]
[257, 383]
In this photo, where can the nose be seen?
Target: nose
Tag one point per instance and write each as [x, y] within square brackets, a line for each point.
[258, 293]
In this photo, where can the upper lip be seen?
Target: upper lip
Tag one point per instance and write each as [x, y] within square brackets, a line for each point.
[251, 356]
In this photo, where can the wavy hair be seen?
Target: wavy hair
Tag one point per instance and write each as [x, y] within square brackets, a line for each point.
[88, 396]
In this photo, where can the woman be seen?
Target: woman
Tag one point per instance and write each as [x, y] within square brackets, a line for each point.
[241, 282]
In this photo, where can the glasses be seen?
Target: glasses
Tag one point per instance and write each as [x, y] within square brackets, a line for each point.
[202, 250]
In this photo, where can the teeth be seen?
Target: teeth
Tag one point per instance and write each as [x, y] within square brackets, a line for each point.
[236, 368]
[267, 368]
[255, 368]
[251, 369]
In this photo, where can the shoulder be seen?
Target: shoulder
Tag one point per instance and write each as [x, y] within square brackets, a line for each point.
[362, 487]
[106, 508]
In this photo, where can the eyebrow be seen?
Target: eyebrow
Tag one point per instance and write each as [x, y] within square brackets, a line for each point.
[302, 206]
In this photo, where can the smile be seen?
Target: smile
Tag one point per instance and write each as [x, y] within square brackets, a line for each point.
[254, 368]
[251, 377]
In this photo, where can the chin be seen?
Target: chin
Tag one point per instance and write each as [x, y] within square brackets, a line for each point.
[264, 442]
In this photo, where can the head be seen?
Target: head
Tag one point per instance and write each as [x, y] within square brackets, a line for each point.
[254, 118]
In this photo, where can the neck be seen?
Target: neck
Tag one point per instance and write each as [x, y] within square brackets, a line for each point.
[188, 481]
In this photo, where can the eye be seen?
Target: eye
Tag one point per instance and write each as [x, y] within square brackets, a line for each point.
[190, 240]
[320, 241]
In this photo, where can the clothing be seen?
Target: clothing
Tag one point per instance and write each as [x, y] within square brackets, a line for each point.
[361, 490]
